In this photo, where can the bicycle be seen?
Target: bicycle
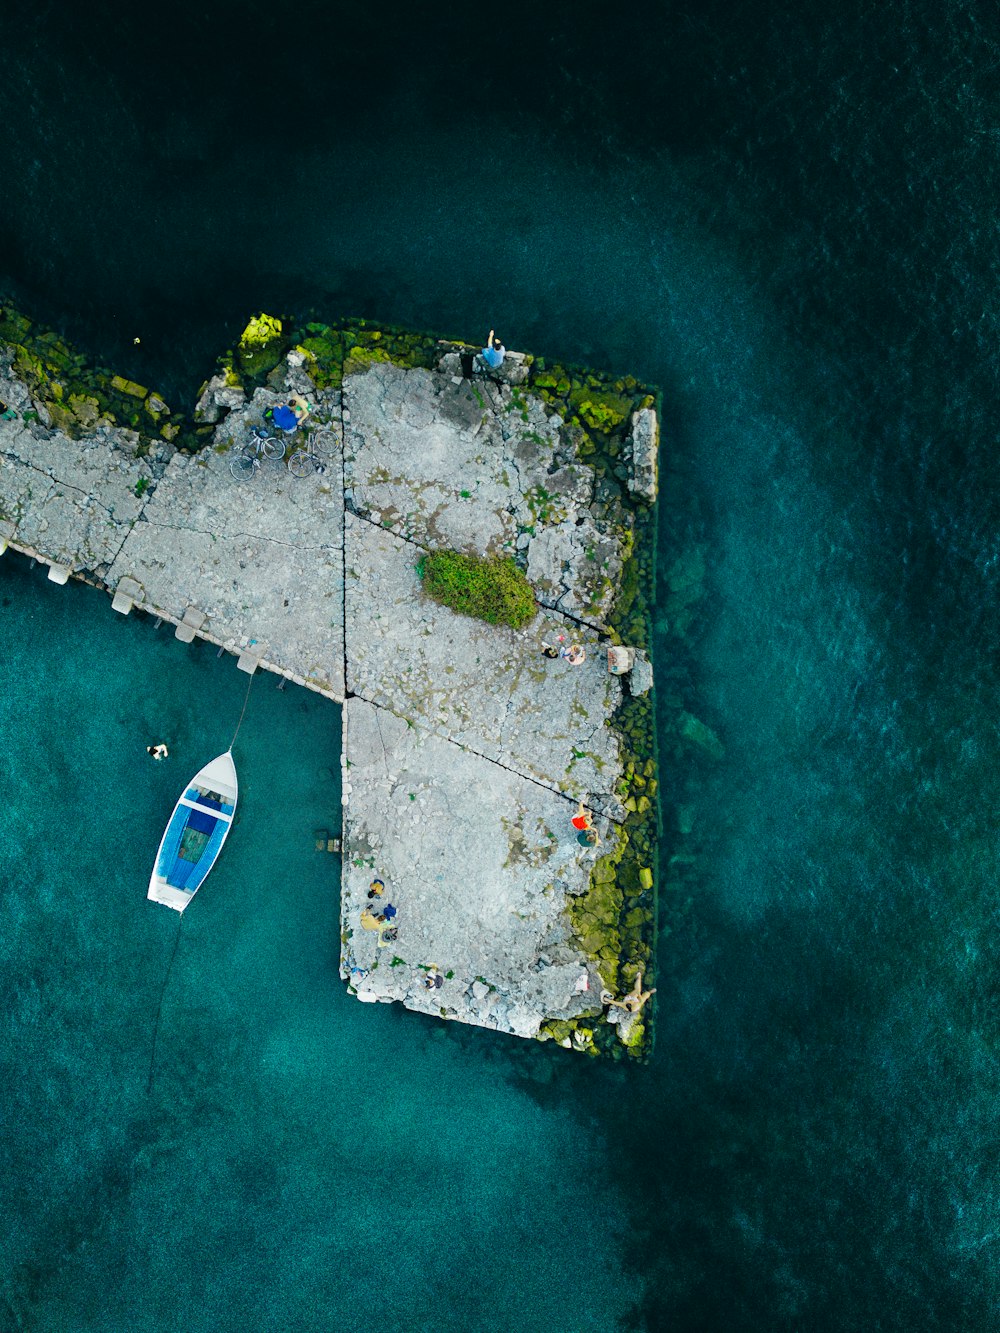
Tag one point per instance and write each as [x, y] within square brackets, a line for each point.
[259, 448]
[304, 462]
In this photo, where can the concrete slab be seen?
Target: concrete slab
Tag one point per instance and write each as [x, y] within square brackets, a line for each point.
[127, 594]
[487, 688]
[73, 501]
[479, 864]
[191, 622]
[261, 560]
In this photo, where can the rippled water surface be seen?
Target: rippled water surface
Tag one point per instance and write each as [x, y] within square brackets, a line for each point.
[783, 216]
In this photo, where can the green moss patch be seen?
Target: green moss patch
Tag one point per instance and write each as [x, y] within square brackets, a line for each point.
[494, 589]
[262, 346]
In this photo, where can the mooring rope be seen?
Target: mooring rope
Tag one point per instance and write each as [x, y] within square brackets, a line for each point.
[159, 1007]
[239, 724]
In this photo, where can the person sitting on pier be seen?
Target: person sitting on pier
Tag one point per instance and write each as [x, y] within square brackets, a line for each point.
[493, 353]
[581, 820]
[632, 1002]
[283, 417]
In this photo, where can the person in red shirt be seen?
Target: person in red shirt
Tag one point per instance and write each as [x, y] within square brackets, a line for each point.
[581, 820]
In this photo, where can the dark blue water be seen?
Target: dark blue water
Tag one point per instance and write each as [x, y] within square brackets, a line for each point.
[785, 216]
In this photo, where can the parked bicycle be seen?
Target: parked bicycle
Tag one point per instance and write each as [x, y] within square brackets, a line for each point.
[260, 448]
[315, 458]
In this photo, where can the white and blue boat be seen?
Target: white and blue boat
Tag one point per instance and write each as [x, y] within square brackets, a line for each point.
[195, 834]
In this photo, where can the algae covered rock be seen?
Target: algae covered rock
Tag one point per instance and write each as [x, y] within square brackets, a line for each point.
[128, 386]
[600, 415]
[261, 345]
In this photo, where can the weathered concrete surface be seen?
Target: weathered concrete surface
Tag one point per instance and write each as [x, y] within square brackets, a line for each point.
[486, 687]
[263, 559]
[484, 468]
[478, 863]
[72, 501]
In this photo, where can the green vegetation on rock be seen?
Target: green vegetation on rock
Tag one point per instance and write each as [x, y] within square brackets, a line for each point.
[602, 415]
[492, 589]
[615, 921]
[261, 346]
[76, 397]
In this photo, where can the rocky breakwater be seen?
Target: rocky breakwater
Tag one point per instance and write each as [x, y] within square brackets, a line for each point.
[473, 762]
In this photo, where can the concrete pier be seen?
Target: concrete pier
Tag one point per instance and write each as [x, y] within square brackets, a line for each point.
[467, 752]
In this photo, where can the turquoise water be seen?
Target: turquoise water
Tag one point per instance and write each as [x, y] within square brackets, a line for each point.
[784, 215]
[289, 1158]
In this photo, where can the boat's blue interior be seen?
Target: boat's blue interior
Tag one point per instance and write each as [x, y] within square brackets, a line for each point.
[197, 819]
[181, 873]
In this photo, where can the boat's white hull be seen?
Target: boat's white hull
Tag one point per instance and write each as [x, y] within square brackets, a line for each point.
[210, 797]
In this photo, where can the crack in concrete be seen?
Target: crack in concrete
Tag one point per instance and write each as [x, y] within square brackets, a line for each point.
[469, 749]
[241, 536]
[52, 481]
[385, 752]
[412, 541]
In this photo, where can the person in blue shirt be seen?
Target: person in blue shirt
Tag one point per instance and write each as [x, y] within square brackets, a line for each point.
[493, 353]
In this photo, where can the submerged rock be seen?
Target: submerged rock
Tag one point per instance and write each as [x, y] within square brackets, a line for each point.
[701, 735]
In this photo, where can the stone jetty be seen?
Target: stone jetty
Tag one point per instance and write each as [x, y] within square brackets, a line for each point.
[468, 892]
